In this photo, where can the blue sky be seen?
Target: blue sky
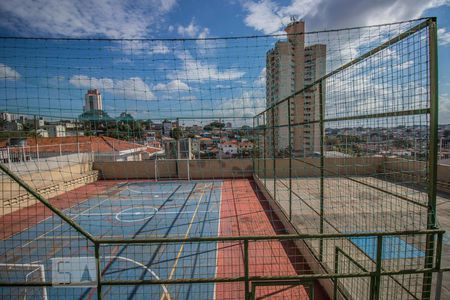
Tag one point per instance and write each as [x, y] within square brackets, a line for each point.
[179, 76]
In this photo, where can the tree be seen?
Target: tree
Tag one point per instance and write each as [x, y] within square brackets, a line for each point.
[216, 124]
[176, 133]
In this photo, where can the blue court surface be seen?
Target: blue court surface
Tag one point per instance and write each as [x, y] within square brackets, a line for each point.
[128, 210]
[393, 247]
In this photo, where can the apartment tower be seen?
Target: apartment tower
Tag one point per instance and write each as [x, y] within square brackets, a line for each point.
[289, 68]
[92, 100]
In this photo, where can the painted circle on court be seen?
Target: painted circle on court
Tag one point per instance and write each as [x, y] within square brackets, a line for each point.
[136, 214]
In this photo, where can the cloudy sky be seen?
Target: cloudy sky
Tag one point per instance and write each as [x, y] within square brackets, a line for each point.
[191, 69]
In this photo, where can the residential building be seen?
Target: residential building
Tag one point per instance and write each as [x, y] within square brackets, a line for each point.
[289, 67]
[13, 126]
[166, 128]
[37, 122]
[56, 130]
[93, 100]
[228, 148]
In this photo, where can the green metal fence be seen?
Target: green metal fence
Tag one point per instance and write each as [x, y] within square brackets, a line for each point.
[346, 159]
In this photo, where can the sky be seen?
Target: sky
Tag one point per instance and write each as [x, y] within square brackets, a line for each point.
[198, 77]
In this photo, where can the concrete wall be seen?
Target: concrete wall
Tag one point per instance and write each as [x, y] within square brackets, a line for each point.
[47, 179]
[176, 169]
[310, 166]
[415, 171]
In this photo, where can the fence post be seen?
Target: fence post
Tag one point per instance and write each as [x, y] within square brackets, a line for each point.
[432, 162]
[274, 157]
[290, 159]
[8, 153]
[375, 278]
[438, 266]
[265, 149]
[336, 271]
[246, 271]
[322, 160]
[23, 154]
[60, 150]
[37, 152]
[98, 270]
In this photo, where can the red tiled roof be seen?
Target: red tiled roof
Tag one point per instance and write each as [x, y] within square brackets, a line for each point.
[82, 144]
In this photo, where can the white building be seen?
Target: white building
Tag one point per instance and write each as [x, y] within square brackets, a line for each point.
[35, 122]
[93, 100]
[56, 130]
[228, 148]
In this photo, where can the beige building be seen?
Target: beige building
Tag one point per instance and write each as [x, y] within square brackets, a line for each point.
[93, 100]
[289, 67]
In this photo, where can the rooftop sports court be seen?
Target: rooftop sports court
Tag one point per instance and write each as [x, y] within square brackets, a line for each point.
[141, 209]
[292, 166]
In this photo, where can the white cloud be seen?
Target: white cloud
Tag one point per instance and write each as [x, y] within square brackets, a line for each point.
[159, 48]
[196, 70]
[269, 17]
[444, 37]
[250, 103]
[172, 86]
[261, 80]
[8, 73]
[141, 47]
[83, 18]
[132, 88]
[190, 31]
[262, 16]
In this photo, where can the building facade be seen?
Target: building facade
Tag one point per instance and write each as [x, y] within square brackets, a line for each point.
[93, 100]
[290, 66]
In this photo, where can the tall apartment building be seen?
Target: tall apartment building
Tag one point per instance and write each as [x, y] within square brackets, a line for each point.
[92, 100]
[289, 67]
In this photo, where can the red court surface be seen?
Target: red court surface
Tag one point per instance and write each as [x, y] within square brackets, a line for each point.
[244, 211]
[26, 217]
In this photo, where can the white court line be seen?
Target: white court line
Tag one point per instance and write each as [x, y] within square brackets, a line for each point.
[166, 291]
[60, 225]
[142, 212]
[36, 267]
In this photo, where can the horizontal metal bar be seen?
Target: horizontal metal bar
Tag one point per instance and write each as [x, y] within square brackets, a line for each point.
[232, 279]
[105, 241]
[412, 112]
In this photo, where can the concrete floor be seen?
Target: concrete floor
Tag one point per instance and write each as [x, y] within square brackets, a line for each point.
[350, 206]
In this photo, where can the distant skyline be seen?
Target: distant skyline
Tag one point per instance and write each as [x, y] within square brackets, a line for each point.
[200, 19]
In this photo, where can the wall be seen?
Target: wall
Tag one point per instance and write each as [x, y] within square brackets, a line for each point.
[176, 169]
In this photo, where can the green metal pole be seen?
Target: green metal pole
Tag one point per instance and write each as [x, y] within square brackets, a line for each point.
[253, 151]
[432, 156]
[99, 272]
[336, 270]
[290, 160]
[322, 131]
[377, 279]
[274, 157]
[246, 271]
[265, 149]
